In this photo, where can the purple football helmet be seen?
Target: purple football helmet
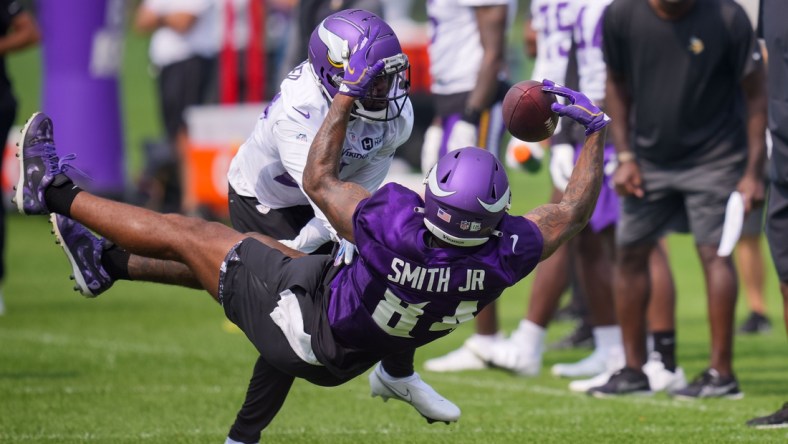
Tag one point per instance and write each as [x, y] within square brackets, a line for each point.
[467, 193]
[330, 47]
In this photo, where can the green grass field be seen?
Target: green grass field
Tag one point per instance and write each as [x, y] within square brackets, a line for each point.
[156, 364]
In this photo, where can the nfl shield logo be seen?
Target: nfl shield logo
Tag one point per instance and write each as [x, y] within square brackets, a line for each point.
[464, 225]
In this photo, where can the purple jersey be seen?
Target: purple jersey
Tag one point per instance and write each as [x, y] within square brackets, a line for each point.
[402, 293]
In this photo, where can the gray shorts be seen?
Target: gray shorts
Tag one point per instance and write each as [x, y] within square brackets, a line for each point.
[689, 199]
[777, 228]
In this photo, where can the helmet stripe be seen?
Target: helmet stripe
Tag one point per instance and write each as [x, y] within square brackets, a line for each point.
[497, 206]
[432, 183]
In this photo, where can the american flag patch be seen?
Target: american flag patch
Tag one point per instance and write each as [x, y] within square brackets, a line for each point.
[444, 216]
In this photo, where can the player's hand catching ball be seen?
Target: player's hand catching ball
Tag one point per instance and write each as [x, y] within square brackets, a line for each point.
[580, 108]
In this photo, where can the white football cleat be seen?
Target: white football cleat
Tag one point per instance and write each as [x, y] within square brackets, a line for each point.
[597, 362]
[413, 390]
[584, 385]
[662, 379]
[517, 355]
[472, 355]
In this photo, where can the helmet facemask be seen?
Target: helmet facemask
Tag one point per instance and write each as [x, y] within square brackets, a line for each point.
[329, 53]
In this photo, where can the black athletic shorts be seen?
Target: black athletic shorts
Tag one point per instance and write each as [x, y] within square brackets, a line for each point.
[777, 228]
[254, 280]
[247, 215]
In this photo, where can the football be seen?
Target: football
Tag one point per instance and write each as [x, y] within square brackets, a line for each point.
[527, 113]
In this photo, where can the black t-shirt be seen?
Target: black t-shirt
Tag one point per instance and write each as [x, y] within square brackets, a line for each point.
[773, 27]
[8, 10]
[684, 79]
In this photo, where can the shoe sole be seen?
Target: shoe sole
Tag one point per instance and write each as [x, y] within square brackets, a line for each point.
[733, 397]
[770, 426]
[19, 198]
[639, 393]
[80, 284]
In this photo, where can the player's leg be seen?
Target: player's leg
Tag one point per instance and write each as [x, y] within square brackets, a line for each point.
[595, 257]
[268, 388]
[662, 371]
[706, 189]
[777, 235]
[43, 188]
[522, 351]
[750, 264]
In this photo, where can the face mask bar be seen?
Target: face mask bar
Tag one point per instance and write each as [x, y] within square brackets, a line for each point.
[388, 106]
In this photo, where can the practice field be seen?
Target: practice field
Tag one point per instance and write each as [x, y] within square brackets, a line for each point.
[157, 364]
[147, 363]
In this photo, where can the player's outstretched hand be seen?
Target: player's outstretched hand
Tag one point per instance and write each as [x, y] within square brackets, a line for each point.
[579, 109]
[359, 71]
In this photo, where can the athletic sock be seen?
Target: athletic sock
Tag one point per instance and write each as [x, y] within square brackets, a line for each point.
[399, 365]
[665, 345]
[60, 194]
[607, 336]
[115, 261]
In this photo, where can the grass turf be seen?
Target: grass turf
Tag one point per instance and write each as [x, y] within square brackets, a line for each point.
[157, 364]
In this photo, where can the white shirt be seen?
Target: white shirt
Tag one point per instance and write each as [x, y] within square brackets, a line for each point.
[168, 46]
[553, 21]
[591, 65]
[455, 47]
[269, 166]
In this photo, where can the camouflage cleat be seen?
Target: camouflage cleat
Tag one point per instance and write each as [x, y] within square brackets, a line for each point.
[84, 251]
[39, 165]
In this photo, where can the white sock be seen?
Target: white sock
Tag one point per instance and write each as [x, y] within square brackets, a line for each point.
[607, 337]
[531, 335]
[486, 339]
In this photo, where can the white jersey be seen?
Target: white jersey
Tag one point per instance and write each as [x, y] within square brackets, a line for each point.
[553, 21]
[269, 166]
[455, 47]
[588, 40]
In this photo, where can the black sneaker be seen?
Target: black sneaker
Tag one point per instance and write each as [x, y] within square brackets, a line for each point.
[627, 381]
[710, 384]
[776, 420]
[581, 337]
[755, 323]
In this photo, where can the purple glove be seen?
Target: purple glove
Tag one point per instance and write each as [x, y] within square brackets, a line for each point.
[359, 74]
[580, 108]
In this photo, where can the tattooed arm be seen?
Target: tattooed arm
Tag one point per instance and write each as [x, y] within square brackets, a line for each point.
[335, 198]
[560, 222]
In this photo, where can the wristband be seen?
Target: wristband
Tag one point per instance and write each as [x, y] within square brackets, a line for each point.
[625, 156]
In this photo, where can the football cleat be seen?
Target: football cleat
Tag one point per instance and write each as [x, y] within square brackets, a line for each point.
[519, 354]
[413, 390]
[754, 324]
[662, 379]
[627, 381]
[776, 420]
[584, 385]
[39, 165]
[84, 251]
[474, 354]
[597, 362]
[710, 384]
